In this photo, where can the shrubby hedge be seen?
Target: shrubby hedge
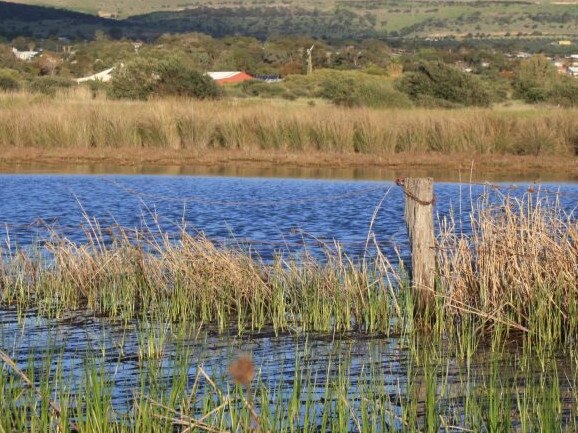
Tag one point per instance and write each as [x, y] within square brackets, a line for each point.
[143, 78]
[441, 85]
[49, 85]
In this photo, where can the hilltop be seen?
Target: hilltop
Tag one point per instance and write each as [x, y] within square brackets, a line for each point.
[327, 19]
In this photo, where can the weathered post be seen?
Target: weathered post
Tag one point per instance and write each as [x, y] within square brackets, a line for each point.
[419, 201]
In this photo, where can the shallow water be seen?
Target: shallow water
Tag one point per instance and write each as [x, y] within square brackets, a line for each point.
[265, 215]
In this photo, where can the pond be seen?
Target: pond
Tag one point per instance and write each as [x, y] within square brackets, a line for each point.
[268, 217]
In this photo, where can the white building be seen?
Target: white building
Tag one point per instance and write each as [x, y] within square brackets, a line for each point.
[103, 76]
[24, 55]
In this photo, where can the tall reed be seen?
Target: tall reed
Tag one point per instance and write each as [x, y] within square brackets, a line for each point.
[76, 121]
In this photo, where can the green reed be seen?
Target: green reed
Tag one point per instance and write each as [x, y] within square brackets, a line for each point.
[497, 389]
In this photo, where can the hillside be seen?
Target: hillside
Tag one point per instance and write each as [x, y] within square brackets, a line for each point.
[328, 19]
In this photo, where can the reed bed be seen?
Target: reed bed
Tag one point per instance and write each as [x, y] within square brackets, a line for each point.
[77, 121]
[189, 279]
[515, 264]
[428, 392]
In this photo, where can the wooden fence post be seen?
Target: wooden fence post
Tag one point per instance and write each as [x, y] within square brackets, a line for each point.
[419, 201]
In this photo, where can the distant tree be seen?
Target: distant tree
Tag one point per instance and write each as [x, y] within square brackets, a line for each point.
[145, 77]
[536, 79]
[437, 81]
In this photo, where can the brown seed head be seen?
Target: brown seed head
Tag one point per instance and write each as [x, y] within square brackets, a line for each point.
[242, 370]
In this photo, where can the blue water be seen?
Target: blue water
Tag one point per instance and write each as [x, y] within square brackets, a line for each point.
[265, 215]
[268, 216]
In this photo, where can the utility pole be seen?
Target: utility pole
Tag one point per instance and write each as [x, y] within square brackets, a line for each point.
[310, 60]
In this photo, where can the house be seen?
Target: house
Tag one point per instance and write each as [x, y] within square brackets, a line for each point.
[24, 55]
[565, 43]
[229, 77]
[269, 78]
[573, 71]
[103, 76]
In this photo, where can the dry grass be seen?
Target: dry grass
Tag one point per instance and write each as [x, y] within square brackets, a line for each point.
[518, 266]
[76, 121]
[519, 262]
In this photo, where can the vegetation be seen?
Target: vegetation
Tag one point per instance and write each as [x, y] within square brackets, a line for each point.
[8, 83]
[298, 128]
[187, 279]
[496, 351]
[50, 85]
[327, 19]
[539, 82]
[141, 79]
[414, 386]
[441, 85]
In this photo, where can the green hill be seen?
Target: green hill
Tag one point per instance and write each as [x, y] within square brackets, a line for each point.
[328, 19]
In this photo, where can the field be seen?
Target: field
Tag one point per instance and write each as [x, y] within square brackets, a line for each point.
[328, 19]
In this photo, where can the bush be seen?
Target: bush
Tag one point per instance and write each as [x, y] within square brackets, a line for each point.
[8, 83]
[565, 92]
[50, 85]
[538, 81]
[143, 78]
[358, 89]
[440, 82]
[264, 90]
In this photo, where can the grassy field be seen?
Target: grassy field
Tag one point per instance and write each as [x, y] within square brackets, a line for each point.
[76, 128]
[334, 18]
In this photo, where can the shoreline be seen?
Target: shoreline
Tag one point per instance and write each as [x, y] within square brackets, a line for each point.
[286, 164]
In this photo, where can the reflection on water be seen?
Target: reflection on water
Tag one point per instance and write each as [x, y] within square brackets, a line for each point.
[282, 171]
[267, 215]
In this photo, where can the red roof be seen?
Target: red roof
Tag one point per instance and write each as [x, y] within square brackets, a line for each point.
[229, 77]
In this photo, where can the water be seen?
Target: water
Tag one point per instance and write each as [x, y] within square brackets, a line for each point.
[265, 215]
[268, 216]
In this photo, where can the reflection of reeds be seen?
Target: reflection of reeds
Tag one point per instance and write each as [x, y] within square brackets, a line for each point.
[202, 125]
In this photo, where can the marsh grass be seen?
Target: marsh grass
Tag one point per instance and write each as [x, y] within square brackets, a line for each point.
[189, 279]
[423, 388]
[518, 265]
[515, 265]
[75, 120]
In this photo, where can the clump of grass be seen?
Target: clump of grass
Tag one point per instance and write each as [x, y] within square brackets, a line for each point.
[518, 264]
[188, 278]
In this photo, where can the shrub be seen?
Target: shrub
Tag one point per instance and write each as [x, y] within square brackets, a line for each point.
[8, 83]
[50, 85]
[264, 90]
[358, 89]
[564, 92]
[440, 82]
[143, 78]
